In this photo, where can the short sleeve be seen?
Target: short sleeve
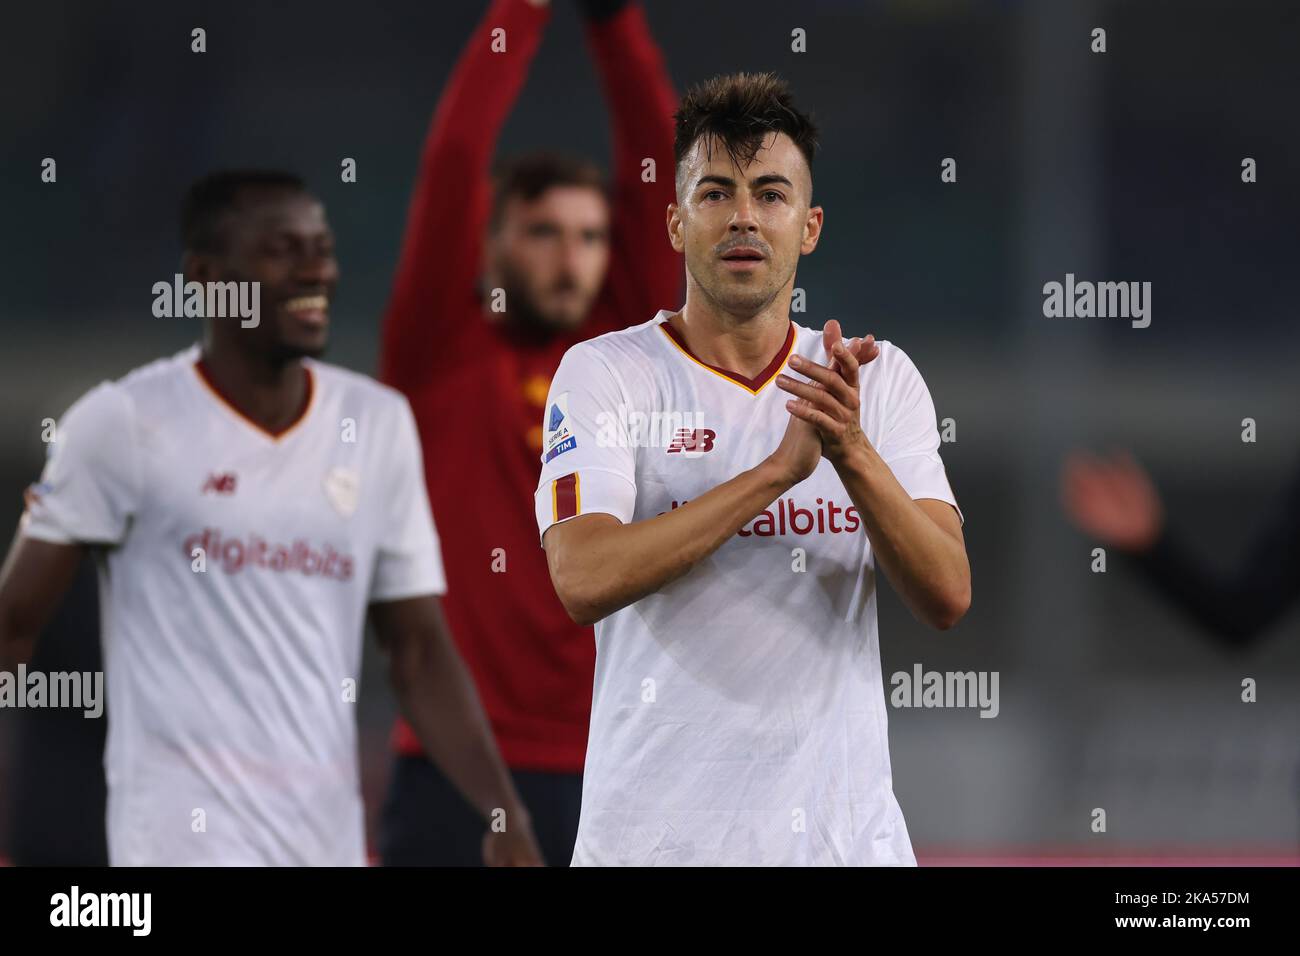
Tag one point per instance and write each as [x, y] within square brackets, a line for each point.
[588, 459]
[909, 434]
[90, 486]
[409, 559]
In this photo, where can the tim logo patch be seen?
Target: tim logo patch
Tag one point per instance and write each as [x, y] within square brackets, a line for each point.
[567, 445]
[559, 438]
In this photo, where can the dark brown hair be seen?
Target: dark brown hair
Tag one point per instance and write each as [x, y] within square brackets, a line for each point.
[740, 110]
[530, 175]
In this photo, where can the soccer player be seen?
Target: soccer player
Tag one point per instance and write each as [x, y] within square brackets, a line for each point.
[496, 281]
[249, 505]
[729, 559]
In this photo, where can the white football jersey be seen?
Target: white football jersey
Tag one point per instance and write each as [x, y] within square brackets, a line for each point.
[234, 583]
[738, 713]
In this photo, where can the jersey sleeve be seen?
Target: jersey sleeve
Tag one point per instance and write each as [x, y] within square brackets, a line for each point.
[409, 559]
[909, 442]
[90, 486]
[588, 461]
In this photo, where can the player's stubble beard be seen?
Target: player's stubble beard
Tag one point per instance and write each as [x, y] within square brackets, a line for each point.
[524, 314]
[735, 298]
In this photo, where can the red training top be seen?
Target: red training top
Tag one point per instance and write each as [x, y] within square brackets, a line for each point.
[479, 391]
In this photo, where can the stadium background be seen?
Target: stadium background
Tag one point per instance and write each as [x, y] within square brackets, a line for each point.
[1115, 166]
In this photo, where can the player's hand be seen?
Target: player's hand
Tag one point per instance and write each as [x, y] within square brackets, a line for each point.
[1112, 500]
[829, 402]
[513, 846]
[863, 350]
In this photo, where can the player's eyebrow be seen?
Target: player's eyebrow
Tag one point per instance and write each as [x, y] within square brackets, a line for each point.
[726, 181]
[755, 183]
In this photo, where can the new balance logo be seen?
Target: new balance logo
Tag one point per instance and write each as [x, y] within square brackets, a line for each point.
[220, 484]
[698, 440]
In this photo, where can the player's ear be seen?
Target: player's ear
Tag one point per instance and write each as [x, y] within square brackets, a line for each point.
[812, 230]
[675, 227]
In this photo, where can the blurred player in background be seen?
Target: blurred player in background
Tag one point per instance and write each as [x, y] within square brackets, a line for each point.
[739, 709]
[1114, 500]
[496, 281]
[248, 505]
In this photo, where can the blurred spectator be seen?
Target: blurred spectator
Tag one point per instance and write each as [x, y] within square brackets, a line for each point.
[1115, 501]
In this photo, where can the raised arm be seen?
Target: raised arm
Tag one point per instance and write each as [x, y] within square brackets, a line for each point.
[1238, 605]
[645, 273]
[441, 257]
[1112, 499]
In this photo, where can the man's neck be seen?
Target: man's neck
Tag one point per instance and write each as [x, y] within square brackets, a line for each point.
[272, 394]
[740, 343]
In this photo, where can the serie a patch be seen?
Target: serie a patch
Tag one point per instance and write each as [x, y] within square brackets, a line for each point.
[559, 437]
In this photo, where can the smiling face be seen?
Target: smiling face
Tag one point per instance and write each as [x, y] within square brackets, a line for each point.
[743, 228]
[281, 239]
